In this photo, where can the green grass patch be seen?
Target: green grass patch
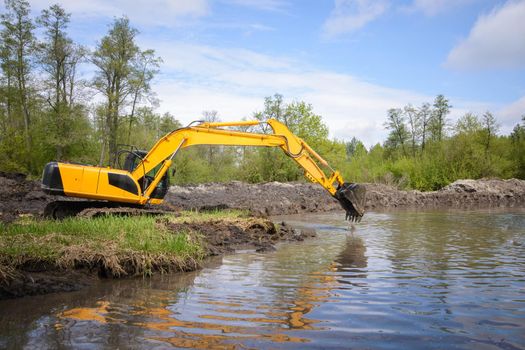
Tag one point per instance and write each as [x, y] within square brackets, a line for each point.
[119, 245]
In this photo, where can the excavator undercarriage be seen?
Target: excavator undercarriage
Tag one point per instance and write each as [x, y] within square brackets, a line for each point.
[143, 180]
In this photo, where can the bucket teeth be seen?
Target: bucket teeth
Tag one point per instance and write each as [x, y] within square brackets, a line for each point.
[352, 198]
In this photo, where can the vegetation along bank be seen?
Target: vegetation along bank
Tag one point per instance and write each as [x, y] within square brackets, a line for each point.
[41, 256]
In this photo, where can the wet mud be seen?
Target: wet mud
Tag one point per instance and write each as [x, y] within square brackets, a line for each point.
[227, 236]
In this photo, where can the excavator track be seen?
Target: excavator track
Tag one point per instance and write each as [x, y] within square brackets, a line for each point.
[90, 209]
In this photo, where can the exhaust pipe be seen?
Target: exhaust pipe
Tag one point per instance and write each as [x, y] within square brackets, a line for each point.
[352, 198]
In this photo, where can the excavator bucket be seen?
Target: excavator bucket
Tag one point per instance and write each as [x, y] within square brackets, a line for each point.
[352, 198]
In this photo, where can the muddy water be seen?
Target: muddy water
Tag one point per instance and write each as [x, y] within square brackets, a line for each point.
[433, 280]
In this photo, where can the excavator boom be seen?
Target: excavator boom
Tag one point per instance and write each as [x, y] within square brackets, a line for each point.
[144, 179]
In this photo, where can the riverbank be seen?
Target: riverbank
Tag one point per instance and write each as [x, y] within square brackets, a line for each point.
[39, 256]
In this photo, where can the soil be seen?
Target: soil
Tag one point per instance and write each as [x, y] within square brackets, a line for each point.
[22, 197]
[226, 236]
[276, 198]
[459, 194]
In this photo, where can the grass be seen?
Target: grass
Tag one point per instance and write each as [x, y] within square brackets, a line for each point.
[112, 244]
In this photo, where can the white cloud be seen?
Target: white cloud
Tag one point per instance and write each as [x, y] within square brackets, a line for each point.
[147, 12]
[511, 114]
[350, 15]
[497, 40]
[234, 82]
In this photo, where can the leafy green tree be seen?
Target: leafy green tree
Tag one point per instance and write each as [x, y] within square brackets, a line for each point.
[468, 124]
[518, 148]
[354, 147]
[439, 120]
[17, 47]
[115, 58]
[270, 164]
[425, 116]
[58, 57]
[398, 135]
[211, 151]
[168, 123]
[144, 68]
[413, 119]
[490, 128]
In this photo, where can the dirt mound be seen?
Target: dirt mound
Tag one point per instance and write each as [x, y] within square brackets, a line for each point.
[272, 198]
[20, 196]
[461, 193]
[275, 198]
[226, 236]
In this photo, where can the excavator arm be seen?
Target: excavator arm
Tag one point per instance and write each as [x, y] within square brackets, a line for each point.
[128, 186]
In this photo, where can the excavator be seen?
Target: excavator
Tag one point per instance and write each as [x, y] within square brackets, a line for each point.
[143, 180]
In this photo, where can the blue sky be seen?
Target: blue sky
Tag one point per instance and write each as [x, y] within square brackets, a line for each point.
[351, 59]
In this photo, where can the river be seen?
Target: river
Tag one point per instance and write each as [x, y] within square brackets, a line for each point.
[397, 280]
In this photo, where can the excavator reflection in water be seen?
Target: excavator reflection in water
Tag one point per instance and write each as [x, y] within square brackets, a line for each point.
[234, 322]
[143, 180]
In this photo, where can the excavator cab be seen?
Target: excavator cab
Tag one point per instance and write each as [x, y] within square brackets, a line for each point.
[132, 160]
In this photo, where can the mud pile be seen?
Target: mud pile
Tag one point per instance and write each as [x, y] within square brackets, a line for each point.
[20, 196]
[275, 198]
[272, 198]
[459, 194]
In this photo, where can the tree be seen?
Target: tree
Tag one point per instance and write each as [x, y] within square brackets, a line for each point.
[398, 132]
[113, 58]
[211, 117]
[490, 129]
[17, 47]
[425, 115]
[59, 57]
[271, 164]
[354, 148]
[168, 123]
[414, 123]
[273, 109]
[467, 124]
[438, 121]
[144, 69]
[518, 144]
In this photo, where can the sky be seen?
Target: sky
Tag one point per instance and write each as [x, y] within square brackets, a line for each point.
[351, 60]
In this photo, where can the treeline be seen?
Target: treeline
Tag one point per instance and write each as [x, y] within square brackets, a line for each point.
[47, 112]
[425, 151]
[46, 108]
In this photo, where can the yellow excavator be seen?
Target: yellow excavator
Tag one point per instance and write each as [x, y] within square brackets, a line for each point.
[143, 179]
